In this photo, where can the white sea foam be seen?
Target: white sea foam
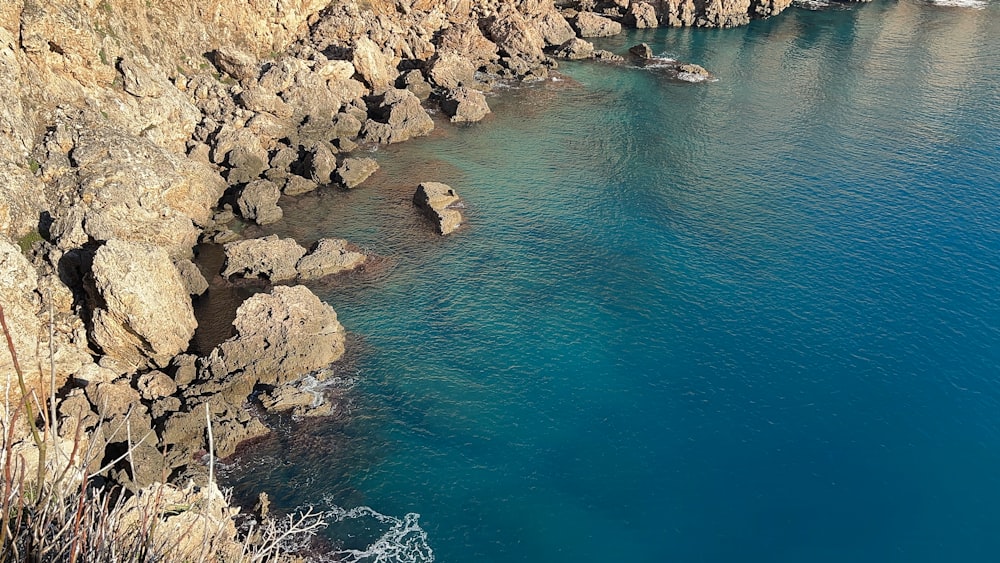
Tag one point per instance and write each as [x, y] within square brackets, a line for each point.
[691, 77]
[974, 4]
[812, 4]
[403, 541]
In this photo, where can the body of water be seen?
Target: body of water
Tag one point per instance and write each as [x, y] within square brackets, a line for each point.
[756, 319]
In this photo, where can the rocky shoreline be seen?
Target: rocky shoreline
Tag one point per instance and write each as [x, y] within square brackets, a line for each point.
[134, 132]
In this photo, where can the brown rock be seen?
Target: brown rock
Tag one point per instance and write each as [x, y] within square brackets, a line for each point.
[439, 202]
[465, 105]
[328, 257]
[267, 258]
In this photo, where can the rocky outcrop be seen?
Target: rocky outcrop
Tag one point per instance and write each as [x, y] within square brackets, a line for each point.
[465, 105]
[269, 258]
[280, 336]
[328, 257]
[575, 49]
[641, 15]
[441, 204]
[725, 13]
[143, 316]
[396, 116]
[191, 277]
[589, 24]
[117, 186]
[450, 70]
[258, 202]
[642, 50]
[693, 73]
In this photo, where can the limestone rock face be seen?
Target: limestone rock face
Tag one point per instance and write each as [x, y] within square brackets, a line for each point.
[258, 202]
[20, 303]
[513, 35]
[144, 315]
[718, 13]
[465, 105]
[467, 40]
[451, 70]
[328, 257]
[268, 258]
[354, 171]
[439, 202]
[280, 336]
[123, 187]
[397, 116]
[642, 15]
[589, 24]
[372, 64]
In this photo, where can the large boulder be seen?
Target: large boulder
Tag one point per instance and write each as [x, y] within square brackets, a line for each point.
[575, 49]
[269, 258]
[373, 65]
[258, 202]
[119, 186]
[280, 337]
[329, 257]
[396, 116]
[641, 15]
[451, 70]
[440, 203]
[589, 24]
[516, 37]
[143, 314]
[465, 105]
[467, 40]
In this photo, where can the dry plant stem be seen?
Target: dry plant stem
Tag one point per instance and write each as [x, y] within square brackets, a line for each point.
[39, 442]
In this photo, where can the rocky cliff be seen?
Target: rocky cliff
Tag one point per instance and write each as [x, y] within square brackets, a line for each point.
[131, 131]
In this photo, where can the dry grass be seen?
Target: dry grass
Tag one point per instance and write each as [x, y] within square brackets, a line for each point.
[52, 508]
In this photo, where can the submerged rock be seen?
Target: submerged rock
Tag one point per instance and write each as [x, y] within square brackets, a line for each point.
[269, 258]
[329, 257]
[352, 172]
[439, 202]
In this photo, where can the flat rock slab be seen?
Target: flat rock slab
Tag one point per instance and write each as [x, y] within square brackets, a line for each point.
[352, 172]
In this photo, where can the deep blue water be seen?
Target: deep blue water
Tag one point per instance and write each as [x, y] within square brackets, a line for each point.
[750, 320]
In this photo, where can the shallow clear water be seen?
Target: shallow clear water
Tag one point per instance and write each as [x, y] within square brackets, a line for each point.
[750, 320]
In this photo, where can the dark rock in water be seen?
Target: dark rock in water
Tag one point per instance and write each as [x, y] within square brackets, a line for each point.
[642, 50]
[574, 49]
[589, 24]
[258, 202]
[693, 73]
[608, 56]
[465, 105]
[267, 258]
[396, 116]
[328, 257]
[353, 171]
[439, 202]
[191, 277]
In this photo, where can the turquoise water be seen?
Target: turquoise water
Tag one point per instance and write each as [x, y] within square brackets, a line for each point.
[751, 320]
